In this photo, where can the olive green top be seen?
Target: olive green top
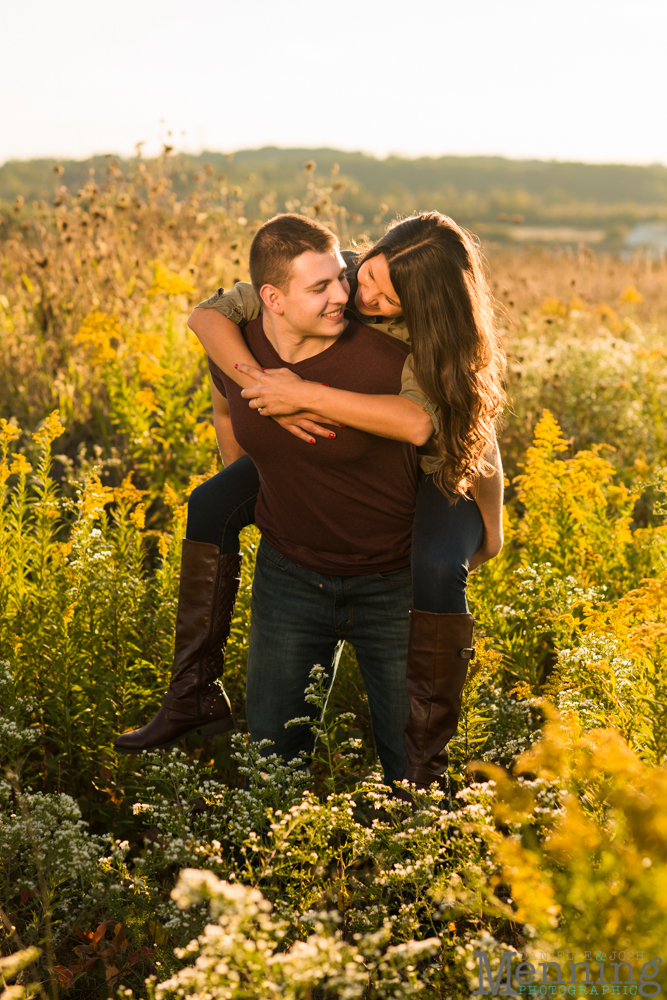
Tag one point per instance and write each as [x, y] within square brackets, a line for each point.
[241, 304]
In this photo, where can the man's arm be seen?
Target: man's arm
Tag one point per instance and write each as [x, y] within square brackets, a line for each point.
[229, 447]
[488, 493]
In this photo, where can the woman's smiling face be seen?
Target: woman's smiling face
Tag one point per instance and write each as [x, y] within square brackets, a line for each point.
[376, 296]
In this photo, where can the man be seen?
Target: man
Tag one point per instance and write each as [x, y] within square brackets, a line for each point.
[333, 563]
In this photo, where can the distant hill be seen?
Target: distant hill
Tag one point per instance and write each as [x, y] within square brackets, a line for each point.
[500, 198]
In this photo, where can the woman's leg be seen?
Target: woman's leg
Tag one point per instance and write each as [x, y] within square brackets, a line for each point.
[223, 505]
[209, 582]
[445, 537]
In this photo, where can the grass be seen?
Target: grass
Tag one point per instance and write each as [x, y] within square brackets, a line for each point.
[557, 840]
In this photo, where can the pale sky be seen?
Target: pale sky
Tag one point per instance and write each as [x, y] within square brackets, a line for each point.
[564, 79]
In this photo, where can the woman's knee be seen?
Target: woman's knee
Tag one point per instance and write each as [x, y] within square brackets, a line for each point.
[439, 581]
[217, 494]
[440, 571]
[198, 497]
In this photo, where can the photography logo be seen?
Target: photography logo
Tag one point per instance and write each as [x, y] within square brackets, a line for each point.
[562, 975]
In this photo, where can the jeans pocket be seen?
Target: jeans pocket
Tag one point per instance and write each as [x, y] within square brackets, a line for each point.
[396, 574]
[271, 557]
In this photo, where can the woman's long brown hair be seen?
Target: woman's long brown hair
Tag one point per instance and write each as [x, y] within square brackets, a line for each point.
[436, 268]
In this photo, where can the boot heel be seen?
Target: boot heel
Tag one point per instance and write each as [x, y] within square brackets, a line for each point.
[218, 727]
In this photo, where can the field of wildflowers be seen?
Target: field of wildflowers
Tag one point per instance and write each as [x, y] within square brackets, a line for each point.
[163, 876]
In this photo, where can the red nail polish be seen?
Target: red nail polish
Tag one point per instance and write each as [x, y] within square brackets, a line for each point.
[236, 366]
[263, 369]
[331, 434]
[342, 425]
[326, 383]
[312, 440]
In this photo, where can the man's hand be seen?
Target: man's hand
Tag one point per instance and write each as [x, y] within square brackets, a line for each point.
[488, 494]
[489, 549]
[277, 392]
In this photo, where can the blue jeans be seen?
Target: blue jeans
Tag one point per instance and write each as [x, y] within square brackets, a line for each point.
[301, 618]
[444, 539]
[220, 507]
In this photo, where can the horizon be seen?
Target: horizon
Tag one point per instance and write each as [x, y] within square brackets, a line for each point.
[575, 81]
[335, 149]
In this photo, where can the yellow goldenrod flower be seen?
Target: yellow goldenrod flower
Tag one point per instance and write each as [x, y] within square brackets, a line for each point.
[630, 294]
[96, 333]
[166, 282]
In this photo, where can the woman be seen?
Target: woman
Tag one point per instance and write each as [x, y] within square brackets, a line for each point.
[424, 276]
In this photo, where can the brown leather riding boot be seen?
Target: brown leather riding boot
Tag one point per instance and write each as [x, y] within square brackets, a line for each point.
[195, 702]
[439, 651]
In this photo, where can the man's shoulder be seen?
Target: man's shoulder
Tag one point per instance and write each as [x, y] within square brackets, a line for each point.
[252, 331]
[376, 339]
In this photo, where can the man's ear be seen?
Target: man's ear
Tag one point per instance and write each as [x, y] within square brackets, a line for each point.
[272, 298]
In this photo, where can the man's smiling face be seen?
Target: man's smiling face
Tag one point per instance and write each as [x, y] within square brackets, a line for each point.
[317, 294]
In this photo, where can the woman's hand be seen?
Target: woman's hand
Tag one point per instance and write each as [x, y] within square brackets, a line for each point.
[302, 425]
[276, 394]
[278, 391]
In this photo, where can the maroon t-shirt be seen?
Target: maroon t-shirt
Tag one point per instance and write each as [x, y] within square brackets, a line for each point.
[342, 506]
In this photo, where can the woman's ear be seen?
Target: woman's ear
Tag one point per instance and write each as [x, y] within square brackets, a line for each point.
[272, 298]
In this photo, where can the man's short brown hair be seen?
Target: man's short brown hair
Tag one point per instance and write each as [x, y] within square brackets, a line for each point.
[279, 242]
